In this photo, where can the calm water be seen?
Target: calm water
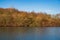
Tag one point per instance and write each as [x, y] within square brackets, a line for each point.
[29, 33]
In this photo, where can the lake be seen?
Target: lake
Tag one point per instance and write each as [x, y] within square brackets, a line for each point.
[29, 33]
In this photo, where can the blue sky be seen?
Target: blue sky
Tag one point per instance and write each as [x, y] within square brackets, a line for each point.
[48, 6]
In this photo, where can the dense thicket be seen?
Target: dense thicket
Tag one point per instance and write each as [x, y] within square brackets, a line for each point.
[11, 17]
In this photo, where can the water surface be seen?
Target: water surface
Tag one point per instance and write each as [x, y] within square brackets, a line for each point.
[29, 33]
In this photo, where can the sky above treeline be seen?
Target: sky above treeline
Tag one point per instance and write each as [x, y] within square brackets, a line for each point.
[47, 6]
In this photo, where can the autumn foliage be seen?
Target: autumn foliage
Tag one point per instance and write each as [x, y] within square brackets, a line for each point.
[10, 17]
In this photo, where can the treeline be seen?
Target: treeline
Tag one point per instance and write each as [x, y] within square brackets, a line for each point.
[10, 17]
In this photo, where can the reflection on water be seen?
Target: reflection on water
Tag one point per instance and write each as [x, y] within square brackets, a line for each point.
[29, 33]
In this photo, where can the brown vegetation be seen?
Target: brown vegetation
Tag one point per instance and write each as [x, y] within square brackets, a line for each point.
[11, 17]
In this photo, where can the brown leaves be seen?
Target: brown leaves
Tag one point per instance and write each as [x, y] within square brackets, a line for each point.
[15, 18]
